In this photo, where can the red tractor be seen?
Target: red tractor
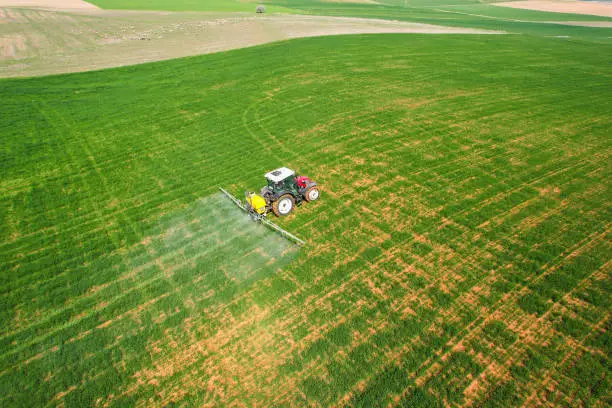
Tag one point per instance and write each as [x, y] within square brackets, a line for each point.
[284, 191]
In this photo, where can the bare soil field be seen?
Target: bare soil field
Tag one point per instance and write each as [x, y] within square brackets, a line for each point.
[573, 7]
[66, 5]
[40, 42]
[600, 24]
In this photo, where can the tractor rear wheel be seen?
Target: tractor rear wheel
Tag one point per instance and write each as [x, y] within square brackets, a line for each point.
[283, 206]
[312, 194]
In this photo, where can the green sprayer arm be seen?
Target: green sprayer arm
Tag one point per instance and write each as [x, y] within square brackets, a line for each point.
[264, 221]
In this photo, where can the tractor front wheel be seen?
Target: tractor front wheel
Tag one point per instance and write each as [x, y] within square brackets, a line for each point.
[283, 206]
[312, 194]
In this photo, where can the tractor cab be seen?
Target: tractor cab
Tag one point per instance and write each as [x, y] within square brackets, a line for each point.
[281, 178]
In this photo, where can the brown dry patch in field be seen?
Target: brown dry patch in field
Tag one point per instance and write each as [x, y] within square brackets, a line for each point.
[534, 221]
[105, 324]
[447, 287]
[133, 313]
[494, 373]
[473, 389]
[578, 304]
[503, 216]
[97, 288]
[365, 181]
[375, 233]
[62, 394]
[221, 351]
[424, 211]
[555, 6]
[409, 103]
[222, 85]
[589, 245]
[548, 191]
[375, 288]
[34, 358]
[434, 369]
[319, 128]
[80, 336]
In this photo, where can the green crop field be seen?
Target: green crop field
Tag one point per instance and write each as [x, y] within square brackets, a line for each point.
[460, 253]
[187, 5]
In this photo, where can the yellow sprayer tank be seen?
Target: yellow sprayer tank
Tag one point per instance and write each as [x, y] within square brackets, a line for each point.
[257, 202]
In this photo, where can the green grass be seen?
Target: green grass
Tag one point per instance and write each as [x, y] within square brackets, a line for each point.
[460, 251]
[508, 13]
[463, 14]
[187, 5]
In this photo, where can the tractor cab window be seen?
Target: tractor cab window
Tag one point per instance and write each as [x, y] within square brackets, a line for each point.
[275, 185]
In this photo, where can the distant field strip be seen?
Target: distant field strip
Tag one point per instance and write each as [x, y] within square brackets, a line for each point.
[460, 253]
[521, 15]
[191, 5]
[597, 8]
[64, 5]
[38, 42]
[604, 24]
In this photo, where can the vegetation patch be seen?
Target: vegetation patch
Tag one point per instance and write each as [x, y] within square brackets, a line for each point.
[459, 253]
